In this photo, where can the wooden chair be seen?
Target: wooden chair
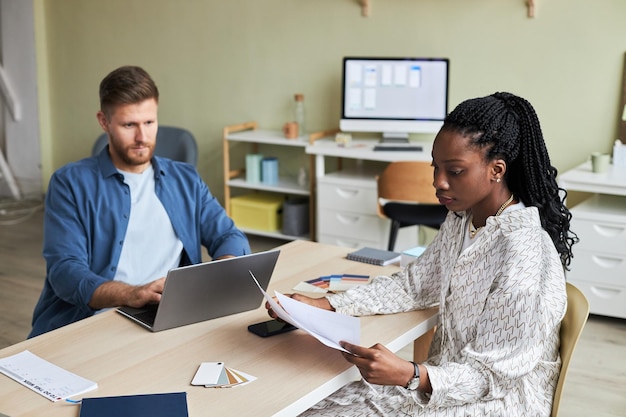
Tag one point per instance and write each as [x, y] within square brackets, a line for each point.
[571, 329]
[407, 197]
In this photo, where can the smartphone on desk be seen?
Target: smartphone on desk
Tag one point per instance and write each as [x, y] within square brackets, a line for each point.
[270, 328]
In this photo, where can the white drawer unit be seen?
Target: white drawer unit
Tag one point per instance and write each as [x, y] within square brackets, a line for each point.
[604, 300]
[599, 264]
[347, 193]
[352, 224]
[346, 207]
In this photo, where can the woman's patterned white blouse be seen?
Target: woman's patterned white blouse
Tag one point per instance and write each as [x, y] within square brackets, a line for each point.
[495, 351]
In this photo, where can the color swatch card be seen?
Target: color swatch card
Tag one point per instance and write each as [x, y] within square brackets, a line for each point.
[332, 283]
[43, 377]
[218, 375]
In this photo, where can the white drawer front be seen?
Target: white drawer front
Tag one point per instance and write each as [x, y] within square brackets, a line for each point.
[600, 236]
[598, 267]
[605, 300]
[352, 225]
[349, 242]
[407, 238]
[347, 197]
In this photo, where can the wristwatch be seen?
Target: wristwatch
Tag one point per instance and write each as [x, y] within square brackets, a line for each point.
[415, 381]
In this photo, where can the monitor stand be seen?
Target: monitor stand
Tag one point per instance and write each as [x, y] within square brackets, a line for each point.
[394, 137]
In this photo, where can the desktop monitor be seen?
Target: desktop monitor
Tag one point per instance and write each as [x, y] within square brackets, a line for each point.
[394, 96]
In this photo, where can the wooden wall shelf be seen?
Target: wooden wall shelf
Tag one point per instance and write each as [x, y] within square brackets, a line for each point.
[366, 7]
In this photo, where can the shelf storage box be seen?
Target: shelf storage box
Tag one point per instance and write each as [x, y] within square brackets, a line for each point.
[260, 211]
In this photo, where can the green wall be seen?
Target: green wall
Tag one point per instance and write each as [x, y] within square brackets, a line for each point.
[222, 62]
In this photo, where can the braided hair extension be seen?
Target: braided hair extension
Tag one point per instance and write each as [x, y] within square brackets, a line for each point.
[506, 127]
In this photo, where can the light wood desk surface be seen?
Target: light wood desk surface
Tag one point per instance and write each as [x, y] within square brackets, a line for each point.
[294, 370]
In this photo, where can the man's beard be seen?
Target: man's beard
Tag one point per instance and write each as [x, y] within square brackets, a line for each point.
[131, 157]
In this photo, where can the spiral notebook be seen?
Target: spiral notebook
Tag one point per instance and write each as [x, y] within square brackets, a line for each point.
[374, 256]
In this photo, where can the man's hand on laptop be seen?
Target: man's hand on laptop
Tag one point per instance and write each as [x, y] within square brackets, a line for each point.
[115, 294]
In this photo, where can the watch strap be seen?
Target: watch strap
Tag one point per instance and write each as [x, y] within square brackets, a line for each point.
[414, 382]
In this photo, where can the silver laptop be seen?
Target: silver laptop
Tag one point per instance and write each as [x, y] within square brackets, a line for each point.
[206, 291]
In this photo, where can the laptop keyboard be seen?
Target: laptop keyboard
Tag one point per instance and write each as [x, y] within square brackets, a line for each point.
[146, 316]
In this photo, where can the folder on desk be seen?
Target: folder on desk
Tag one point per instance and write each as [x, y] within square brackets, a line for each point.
[172, 404]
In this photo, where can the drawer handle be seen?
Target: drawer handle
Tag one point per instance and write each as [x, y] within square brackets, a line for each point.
[347, 219]
[606, 262]
[608, 231]
[604, 292]
[347, 193]
[345, 244]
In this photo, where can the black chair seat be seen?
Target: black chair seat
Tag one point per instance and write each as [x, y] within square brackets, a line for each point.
[431, 215]
[407, 214]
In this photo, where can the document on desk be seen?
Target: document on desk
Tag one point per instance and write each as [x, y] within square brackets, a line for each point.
[43, 377]
[326, 326]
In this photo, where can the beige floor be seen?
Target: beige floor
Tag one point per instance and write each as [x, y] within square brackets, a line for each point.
[596, 383]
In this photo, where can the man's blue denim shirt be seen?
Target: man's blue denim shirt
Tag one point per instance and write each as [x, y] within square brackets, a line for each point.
[87, 209]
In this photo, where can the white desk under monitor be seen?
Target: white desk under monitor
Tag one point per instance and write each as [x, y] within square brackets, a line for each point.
[346, 198]
[599, 264]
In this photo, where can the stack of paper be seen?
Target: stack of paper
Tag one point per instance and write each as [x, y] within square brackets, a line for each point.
[217, 375]
[44, 378]
[332, 283]
[411, 255]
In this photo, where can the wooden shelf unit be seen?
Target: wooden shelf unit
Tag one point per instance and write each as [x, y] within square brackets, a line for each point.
[235, 177]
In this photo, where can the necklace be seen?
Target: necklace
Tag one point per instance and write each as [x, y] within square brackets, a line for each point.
[474, 230]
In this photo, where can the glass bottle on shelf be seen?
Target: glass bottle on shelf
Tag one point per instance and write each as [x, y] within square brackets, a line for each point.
[299, 114]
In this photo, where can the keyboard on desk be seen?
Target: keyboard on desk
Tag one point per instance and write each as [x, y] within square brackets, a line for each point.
[400, 148]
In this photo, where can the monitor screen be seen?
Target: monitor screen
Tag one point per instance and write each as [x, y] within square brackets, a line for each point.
[394, 96]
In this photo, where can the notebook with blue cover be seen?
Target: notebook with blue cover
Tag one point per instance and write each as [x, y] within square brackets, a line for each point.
[172, 404]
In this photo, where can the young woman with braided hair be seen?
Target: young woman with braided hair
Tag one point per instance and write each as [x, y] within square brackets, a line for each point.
[496, 269]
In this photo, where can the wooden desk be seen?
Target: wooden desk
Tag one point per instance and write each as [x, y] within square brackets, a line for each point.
[294, 370]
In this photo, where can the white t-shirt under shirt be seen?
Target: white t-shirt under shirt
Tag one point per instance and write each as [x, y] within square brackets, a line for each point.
[151, 247]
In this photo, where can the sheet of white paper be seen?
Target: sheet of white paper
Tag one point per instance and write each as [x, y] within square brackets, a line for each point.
[43, 377]
[328, 327]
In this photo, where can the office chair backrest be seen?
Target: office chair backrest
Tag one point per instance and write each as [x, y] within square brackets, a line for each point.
[172, 142]
[406, 181]
[571, 329]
